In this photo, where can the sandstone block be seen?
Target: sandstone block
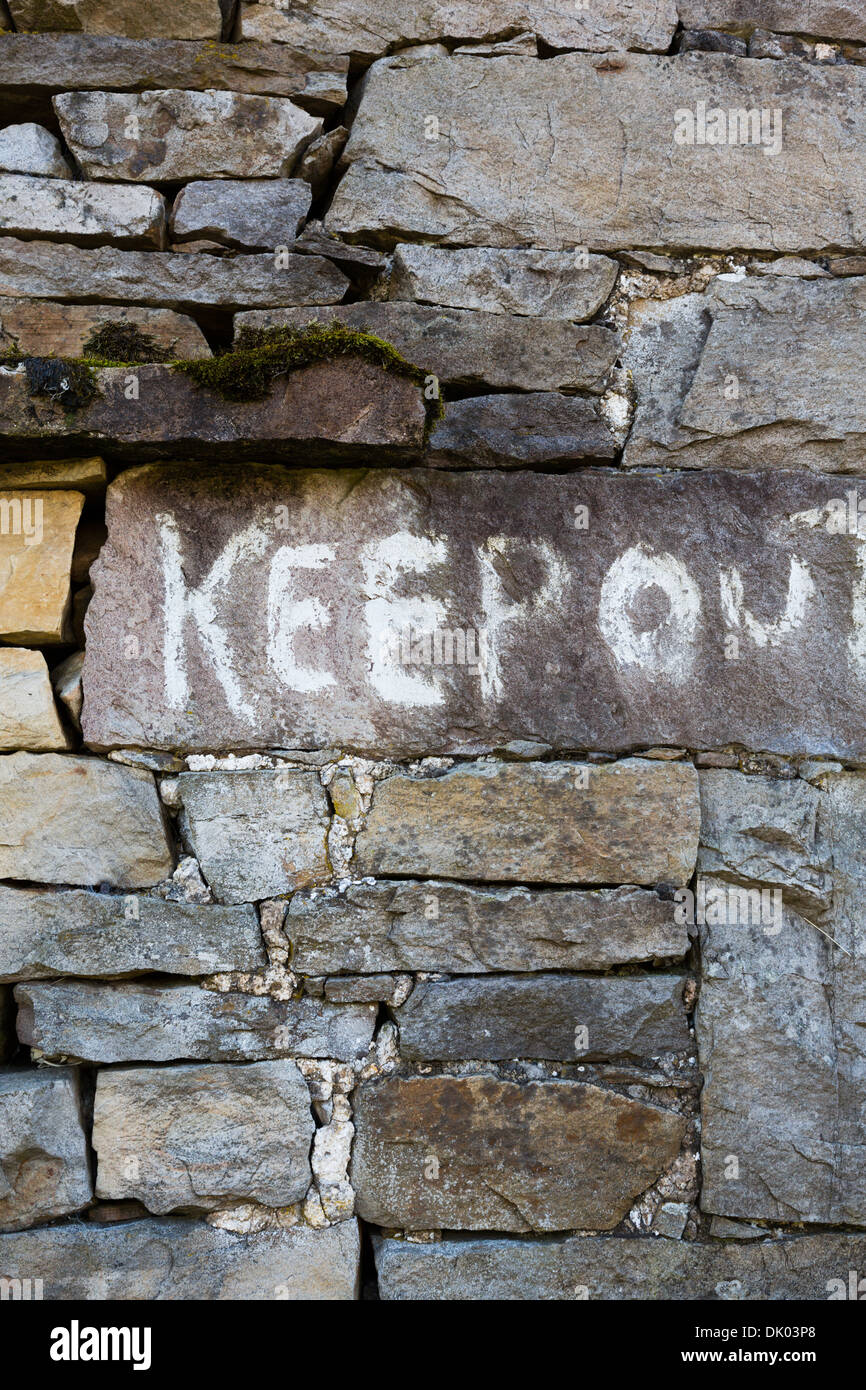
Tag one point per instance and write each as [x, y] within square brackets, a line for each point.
[42, 328]
[195, 19]
[79, 475]
[44, 1170]
[28, 716]
[829, 19]
[37, 536]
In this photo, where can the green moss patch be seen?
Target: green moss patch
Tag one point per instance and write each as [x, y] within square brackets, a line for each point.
[124, 343]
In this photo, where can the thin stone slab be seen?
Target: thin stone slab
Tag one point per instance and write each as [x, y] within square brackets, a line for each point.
[827, 19]
[466, 930]
[477, 1153]
[194, 19]
[28, 715]
[42, 328]
[44, 1169]
[184, 1260]
[101, 935]
[86, 214]
[542, 284]
[592, 610]
[37, 538]
[87, 475]
[592, 159]
[525, 430]
[255, 214]
[166, 1023]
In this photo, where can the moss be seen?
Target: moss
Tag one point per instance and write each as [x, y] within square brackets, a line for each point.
[123, 343]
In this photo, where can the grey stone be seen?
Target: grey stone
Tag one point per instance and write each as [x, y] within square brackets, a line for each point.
[317, 162]
[465, 348]
[543, 284]
[257, 834]
[195, 19]
[712, 41]
[580, 151]
[167, 1023]
[598, 1267]
[203, 1136]
[477, 1153]
[524, 430]
[101, 935]
[28, 716]
[44, 1170]
[257, 214]
[31, 149]
[86, 214]
[832, 19]
[76, 820]
[41, 328]
[462, 929]
[170, 135]
[178, 1259]
[368, 989]
[558, 1017]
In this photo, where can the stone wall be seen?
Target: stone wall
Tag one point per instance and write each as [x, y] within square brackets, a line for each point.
[432, 649]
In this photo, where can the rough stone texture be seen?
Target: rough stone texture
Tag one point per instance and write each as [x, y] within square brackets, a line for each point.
[472, 1269]
[831, 19]
[194, 19]
[543, 1016]
[525, 430]
[31, 149]
[203, 1137]
[99, 934]
[465, 930]
[257, 215]
[42, 328]
[721, 382]
[317, 162]
[183, 135]
[476, 1153]
[81, 475]
[350, 26]
[163, 279]
[187, 1260]
[587, 149]
[257, 834]
[166, 1023]
[634, 821]
[81, 821]
[67, 682]
[37, 536]
[87, 214]
[28, 717]
[633, 603]
[469, 349]
[44, 1169]
[544, 284]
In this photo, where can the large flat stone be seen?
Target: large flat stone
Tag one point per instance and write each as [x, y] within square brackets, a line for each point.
[628, 822]
[42, 328]
[521, 430]
[78, 820]
[87, 214]
[616, 611]
[203, 1136]
[465, 930]
[468, 349]
[172, 135]
[829, 19]
[254, 214]
[544, 284]
[102, 935]
[721, 382]
[476, 1153]
[814, 1268]
[257, 834]
[44, 1170]
[37, 538]
[195, 19]
[168, 1023]
[28, 715]
[183, 1260]
[587, 145]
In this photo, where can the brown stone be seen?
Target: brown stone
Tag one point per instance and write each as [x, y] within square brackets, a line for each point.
[194, 19]
[77, 475]
[41, 328]
[37, 536]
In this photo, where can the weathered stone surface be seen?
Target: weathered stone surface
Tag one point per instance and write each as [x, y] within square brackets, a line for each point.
[28, 717]
[598, 1267]
[101, 935]
[182, 1260]
[543, 284]
[31, 149]
[257, 834]
[633, 821]
[464, 930]
[194, 19]
[523, 430]
[766, 833]
[367, 989]
[42, 328]
[721, 382]
[67, 682]
[338, 26]
[256, 214]
[80, 475]
[44, 1170]
[476, 1153]
[591, 159]
[604, 602]
[318, 160]
[166, 1023]
[829, 19]
[203, 1136]
[183, 135]
[37, 536]
[465, 348]
[81, 821]
[558, 1017]
[88, 214]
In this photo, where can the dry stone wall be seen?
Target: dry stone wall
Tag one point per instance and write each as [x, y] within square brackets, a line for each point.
[432, 650]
